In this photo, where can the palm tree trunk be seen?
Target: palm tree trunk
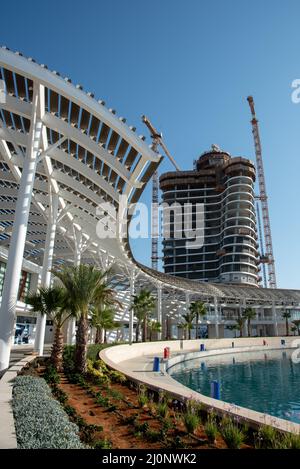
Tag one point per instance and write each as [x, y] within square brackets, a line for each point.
[57, 349]
[105, 336]
[144, 338]
[137, 332]
[241, 331]
[197, 325]
[249, 330]
[81, 344]
[98, 339]
[190, 333]
[287, 326]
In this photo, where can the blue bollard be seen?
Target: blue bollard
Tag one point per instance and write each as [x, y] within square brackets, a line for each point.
[282, 342]
[202, 347]
[156, 364]
[203, 366]
[215, 389]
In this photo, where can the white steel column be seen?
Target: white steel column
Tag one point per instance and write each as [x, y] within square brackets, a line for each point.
[131, 312]
[159, 308]
[18, 238]
[46, 274]
[71, 332]
[275, 318]
[216, 317]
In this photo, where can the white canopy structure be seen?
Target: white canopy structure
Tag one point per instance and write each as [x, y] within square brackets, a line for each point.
[65, 163]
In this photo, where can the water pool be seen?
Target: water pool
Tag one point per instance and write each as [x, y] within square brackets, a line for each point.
[268, 382]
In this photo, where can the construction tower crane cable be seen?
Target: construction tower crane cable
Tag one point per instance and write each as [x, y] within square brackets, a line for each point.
[263, 197]
[156, 142]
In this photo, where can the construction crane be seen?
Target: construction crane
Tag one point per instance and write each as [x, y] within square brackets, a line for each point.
[156, 142]
[269, 257]
[261, 242]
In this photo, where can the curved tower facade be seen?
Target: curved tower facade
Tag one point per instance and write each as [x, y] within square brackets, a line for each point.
[225, 187]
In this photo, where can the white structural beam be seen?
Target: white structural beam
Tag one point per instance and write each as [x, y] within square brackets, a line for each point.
[17, 244]
[46, 274]
[131, 312]
[274, 313]
[159, 308]
[216, 310]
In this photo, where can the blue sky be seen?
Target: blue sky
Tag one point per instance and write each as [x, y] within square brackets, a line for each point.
[189, 65]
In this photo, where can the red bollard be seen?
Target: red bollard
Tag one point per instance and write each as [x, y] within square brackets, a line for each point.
[264, 342]
[166, 352]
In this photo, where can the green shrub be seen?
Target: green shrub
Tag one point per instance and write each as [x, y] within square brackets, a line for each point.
[51, 375]
[153, 435]
[59, 394]
[88, 432]
[143, 397]
[40, 420]
[290, 441]
[141, 427]
[102, 400]
[97, 372]
[232, 434]
[211, 430]
[102, 444]
[69, 359]
[162, 409]
[191, 421]
[94, 350]
[267, 438]
[117, 377]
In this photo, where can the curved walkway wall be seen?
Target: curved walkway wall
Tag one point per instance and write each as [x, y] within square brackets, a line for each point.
[136, 361]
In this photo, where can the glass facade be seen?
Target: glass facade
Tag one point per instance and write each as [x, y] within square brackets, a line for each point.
[25, 282]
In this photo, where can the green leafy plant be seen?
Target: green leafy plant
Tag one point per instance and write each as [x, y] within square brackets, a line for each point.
[232, 434]
[142, 396]
[211, 430]
[51, 375]
[191, 421]
[40, 420]
[153, 436]
[290, 441]
[102, 444]
[267, 438]
[162, 409]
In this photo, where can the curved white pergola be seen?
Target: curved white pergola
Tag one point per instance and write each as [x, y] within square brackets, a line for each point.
[64, 155]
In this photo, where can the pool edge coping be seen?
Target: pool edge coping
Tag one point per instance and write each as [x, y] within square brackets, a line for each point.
[179, 391]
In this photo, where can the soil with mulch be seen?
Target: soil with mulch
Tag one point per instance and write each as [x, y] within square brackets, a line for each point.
[115, 419]
[122, 435]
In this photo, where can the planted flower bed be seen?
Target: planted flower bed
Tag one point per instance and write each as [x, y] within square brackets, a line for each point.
[111, 412]
[40, 420]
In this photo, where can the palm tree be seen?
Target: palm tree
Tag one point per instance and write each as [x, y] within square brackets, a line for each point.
[296, 323]
[154, 327]
[294, 329]
[240, 321]
[249, 314]
[104, 312]
[143, 304]
[103, 320]
[233, 327]
[199, 310]
[52, 302]
[182, 327]
[83, 284]
[286, 315]
[189, 318]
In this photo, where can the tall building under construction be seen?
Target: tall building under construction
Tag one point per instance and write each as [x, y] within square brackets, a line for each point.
[229, 251]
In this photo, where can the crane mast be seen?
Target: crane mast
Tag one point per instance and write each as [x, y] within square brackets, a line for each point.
[261, 242]
[156, 142]
[263, 197]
